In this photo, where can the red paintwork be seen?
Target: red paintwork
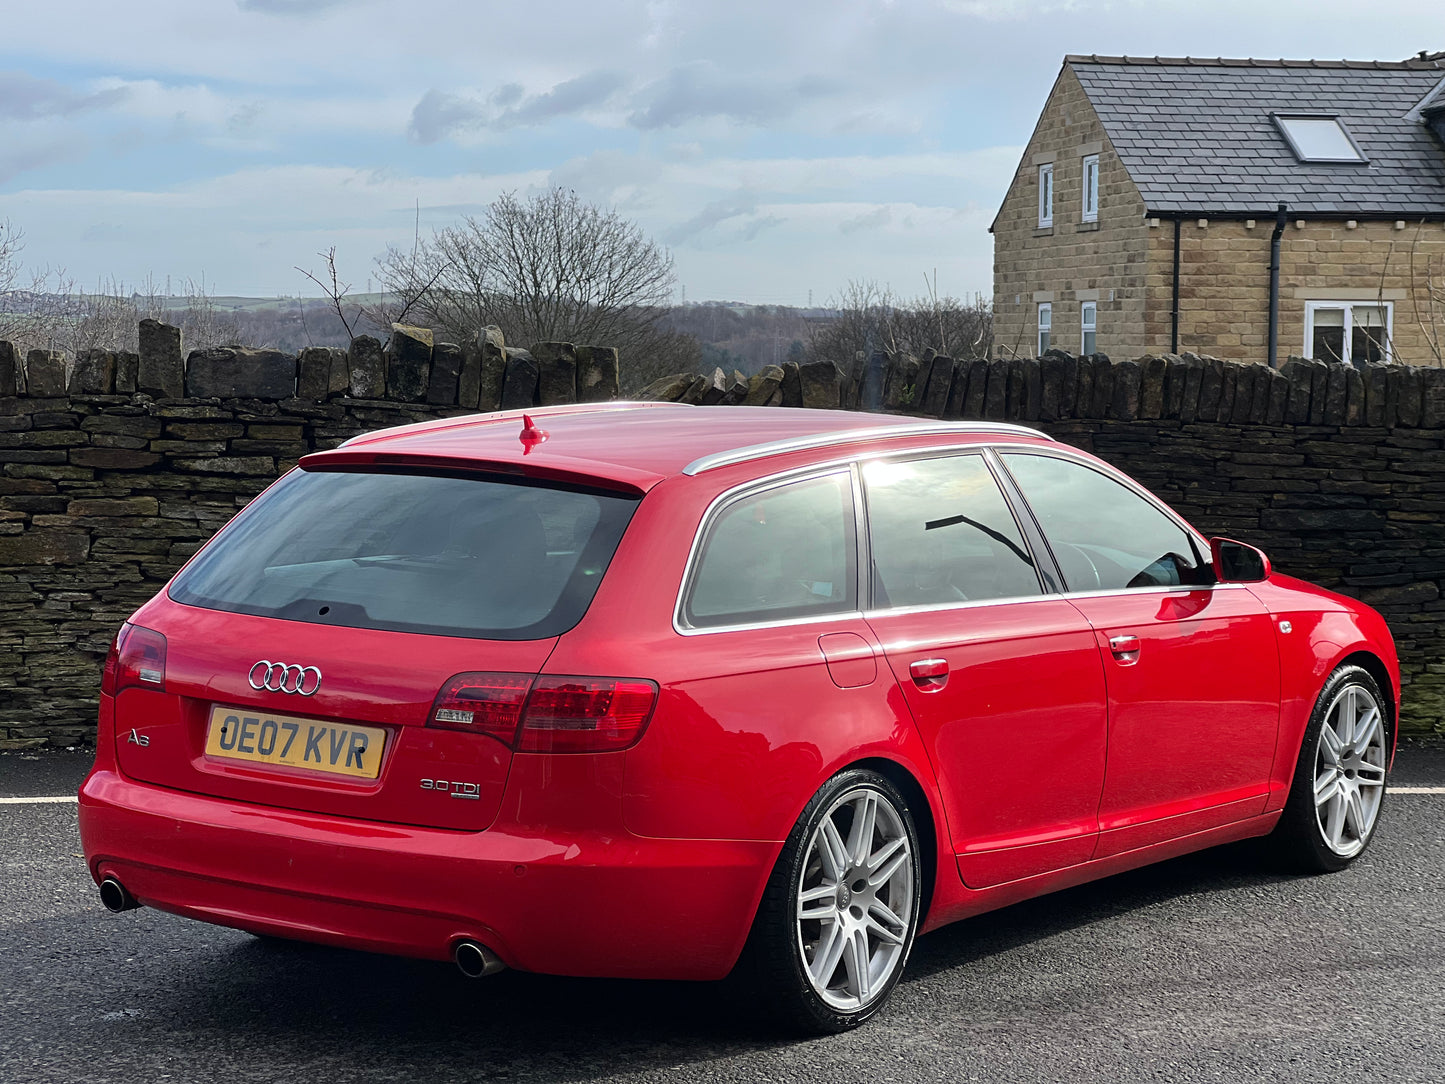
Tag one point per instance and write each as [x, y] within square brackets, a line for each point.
[1044, 756]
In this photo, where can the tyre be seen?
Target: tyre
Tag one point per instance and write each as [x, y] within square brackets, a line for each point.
[840, 911]
[1339, 782]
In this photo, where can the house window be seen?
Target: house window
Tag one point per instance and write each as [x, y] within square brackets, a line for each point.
[1046, 195]
[1318, 137]
[1353, 332]
[1046, 321]
[1088, 318]
[1091, 188]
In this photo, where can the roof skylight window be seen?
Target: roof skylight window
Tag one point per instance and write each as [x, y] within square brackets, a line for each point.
[1318, 137]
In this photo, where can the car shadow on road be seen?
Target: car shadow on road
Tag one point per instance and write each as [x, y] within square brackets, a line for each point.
[404, 1014]
[1220, 869]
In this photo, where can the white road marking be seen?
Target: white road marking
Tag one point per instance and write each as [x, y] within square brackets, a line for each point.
[61, 799]
[52, 800]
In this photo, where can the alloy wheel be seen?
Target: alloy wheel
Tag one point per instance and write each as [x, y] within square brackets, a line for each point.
[1349, 778]
[855, 900]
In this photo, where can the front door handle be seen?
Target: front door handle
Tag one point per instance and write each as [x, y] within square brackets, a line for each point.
[1125, 649]
[929, 675]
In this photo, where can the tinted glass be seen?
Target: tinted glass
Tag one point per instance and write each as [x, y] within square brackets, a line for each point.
[940, 532]
[1104, 536]
[785, 552]
[412, 553]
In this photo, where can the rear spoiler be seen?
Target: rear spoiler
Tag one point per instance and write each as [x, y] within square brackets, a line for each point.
[559, 469]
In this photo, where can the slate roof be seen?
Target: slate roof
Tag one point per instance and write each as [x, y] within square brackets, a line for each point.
[1196, 134]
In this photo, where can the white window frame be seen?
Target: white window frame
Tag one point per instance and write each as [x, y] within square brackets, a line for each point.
[1311, 307]
[1088, 323]
[1091, 188]
[1045, 328]
[1046, 195]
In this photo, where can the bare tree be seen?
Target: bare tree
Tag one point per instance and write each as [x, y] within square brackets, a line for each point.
[548, 268]
[871, 317]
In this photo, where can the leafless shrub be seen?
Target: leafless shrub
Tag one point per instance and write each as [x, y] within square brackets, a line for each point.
[871, 317]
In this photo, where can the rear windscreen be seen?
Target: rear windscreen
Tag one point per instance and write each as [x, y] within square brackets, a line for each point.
[453, 556]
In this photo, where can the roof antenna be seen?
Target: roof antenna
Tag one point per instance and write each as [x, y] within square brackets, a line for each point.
[531, 436]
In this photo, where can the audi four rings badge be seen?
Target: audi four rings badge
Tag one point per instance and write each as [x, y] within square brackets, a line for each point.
[284, 677]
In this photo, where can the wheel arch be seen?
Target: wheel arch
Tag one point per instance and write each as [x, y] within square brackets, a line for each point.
[1373, 665]
[923, 819]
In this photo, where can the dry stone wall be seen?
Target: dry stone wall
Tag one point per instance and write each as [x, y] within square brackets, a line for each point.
[106, 488]
[115, 468]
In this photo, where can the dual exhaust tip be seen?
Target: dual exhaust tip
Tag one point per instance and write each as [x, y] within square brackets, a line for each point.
[473, 960]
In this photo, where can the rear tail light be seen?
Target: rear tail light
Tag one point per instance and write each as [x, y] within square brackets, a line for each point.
[585, 715]
[137, 659]
[547, 714]
[482, 704]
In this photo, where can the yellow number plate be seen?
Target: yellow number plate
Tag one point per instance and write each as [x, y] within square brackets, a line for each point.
[337, 748]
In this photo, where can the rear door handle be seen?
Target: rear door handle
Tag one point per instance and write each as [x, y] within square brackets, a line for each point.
[930, 675]
[1125, 649]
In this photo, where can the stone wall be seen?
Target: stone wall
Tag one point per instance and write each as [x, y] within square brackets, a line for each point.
[1339, 474]
[115, 468]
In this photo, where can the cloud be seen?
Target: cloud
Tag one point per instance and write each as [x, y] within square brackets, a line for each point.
[701, 91]
[871, 220]
[440, 116]
[22, 156]
[713, 214]
[288, 7]
[24, 97]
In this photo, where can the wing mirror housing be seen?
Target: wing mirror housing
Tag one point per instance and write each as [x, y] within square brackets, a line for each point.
[1237, 562]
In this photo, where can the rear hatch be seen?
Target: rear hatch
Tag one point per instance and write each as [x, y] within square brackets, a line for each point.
[306, 646]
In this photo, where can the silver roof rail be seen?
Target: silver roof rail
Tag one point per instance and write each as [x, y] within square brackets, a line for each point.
[848, 436]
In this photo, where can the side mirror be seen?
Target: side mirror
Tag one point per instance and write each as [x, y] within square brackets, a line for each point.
[1235, 562]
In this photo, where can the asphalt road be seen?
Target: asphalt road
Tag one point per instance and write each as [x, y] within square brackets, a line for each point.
[1211, 967]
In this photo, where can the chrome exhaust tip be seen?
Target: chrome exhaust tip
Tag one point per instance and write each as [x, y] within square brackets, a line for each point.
[476, 961]
[114, 896]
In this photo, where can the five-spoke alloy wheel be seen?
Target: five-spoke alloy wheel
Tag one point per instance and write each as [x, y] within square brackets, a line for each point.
[841, 910]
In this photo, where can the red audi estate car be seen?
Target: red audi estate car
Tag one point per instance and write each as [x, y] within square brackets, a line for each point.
[661, 691]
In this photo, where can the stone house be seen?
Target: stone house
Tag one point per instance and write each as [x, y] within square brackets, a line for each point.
[1155, 194]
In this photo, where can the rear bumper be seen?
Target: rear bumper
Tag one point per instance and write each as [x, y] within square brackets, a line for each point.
[595, 904]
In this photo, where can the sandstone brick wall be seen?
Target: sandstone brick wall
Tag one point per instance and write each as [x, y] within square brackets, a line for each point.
[1073, 261]
[1224, 283]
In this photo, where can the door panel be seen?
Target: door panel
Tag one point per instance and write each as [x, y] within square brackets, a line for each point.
[1016, 731]
[1193, 688]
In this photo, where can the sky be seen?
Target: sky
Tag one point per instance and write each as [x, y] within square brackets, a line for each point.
[778, 150]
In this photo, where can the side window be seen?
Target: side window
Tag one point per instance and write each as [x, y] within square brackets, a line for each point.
[940, 532]
[1105, 537]
[788, 551]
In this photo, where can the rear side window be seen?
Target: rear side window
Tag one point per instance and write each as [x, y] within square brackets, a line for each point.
[1104, 536]
[452, 556]
[940, 532]
[785, 552]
